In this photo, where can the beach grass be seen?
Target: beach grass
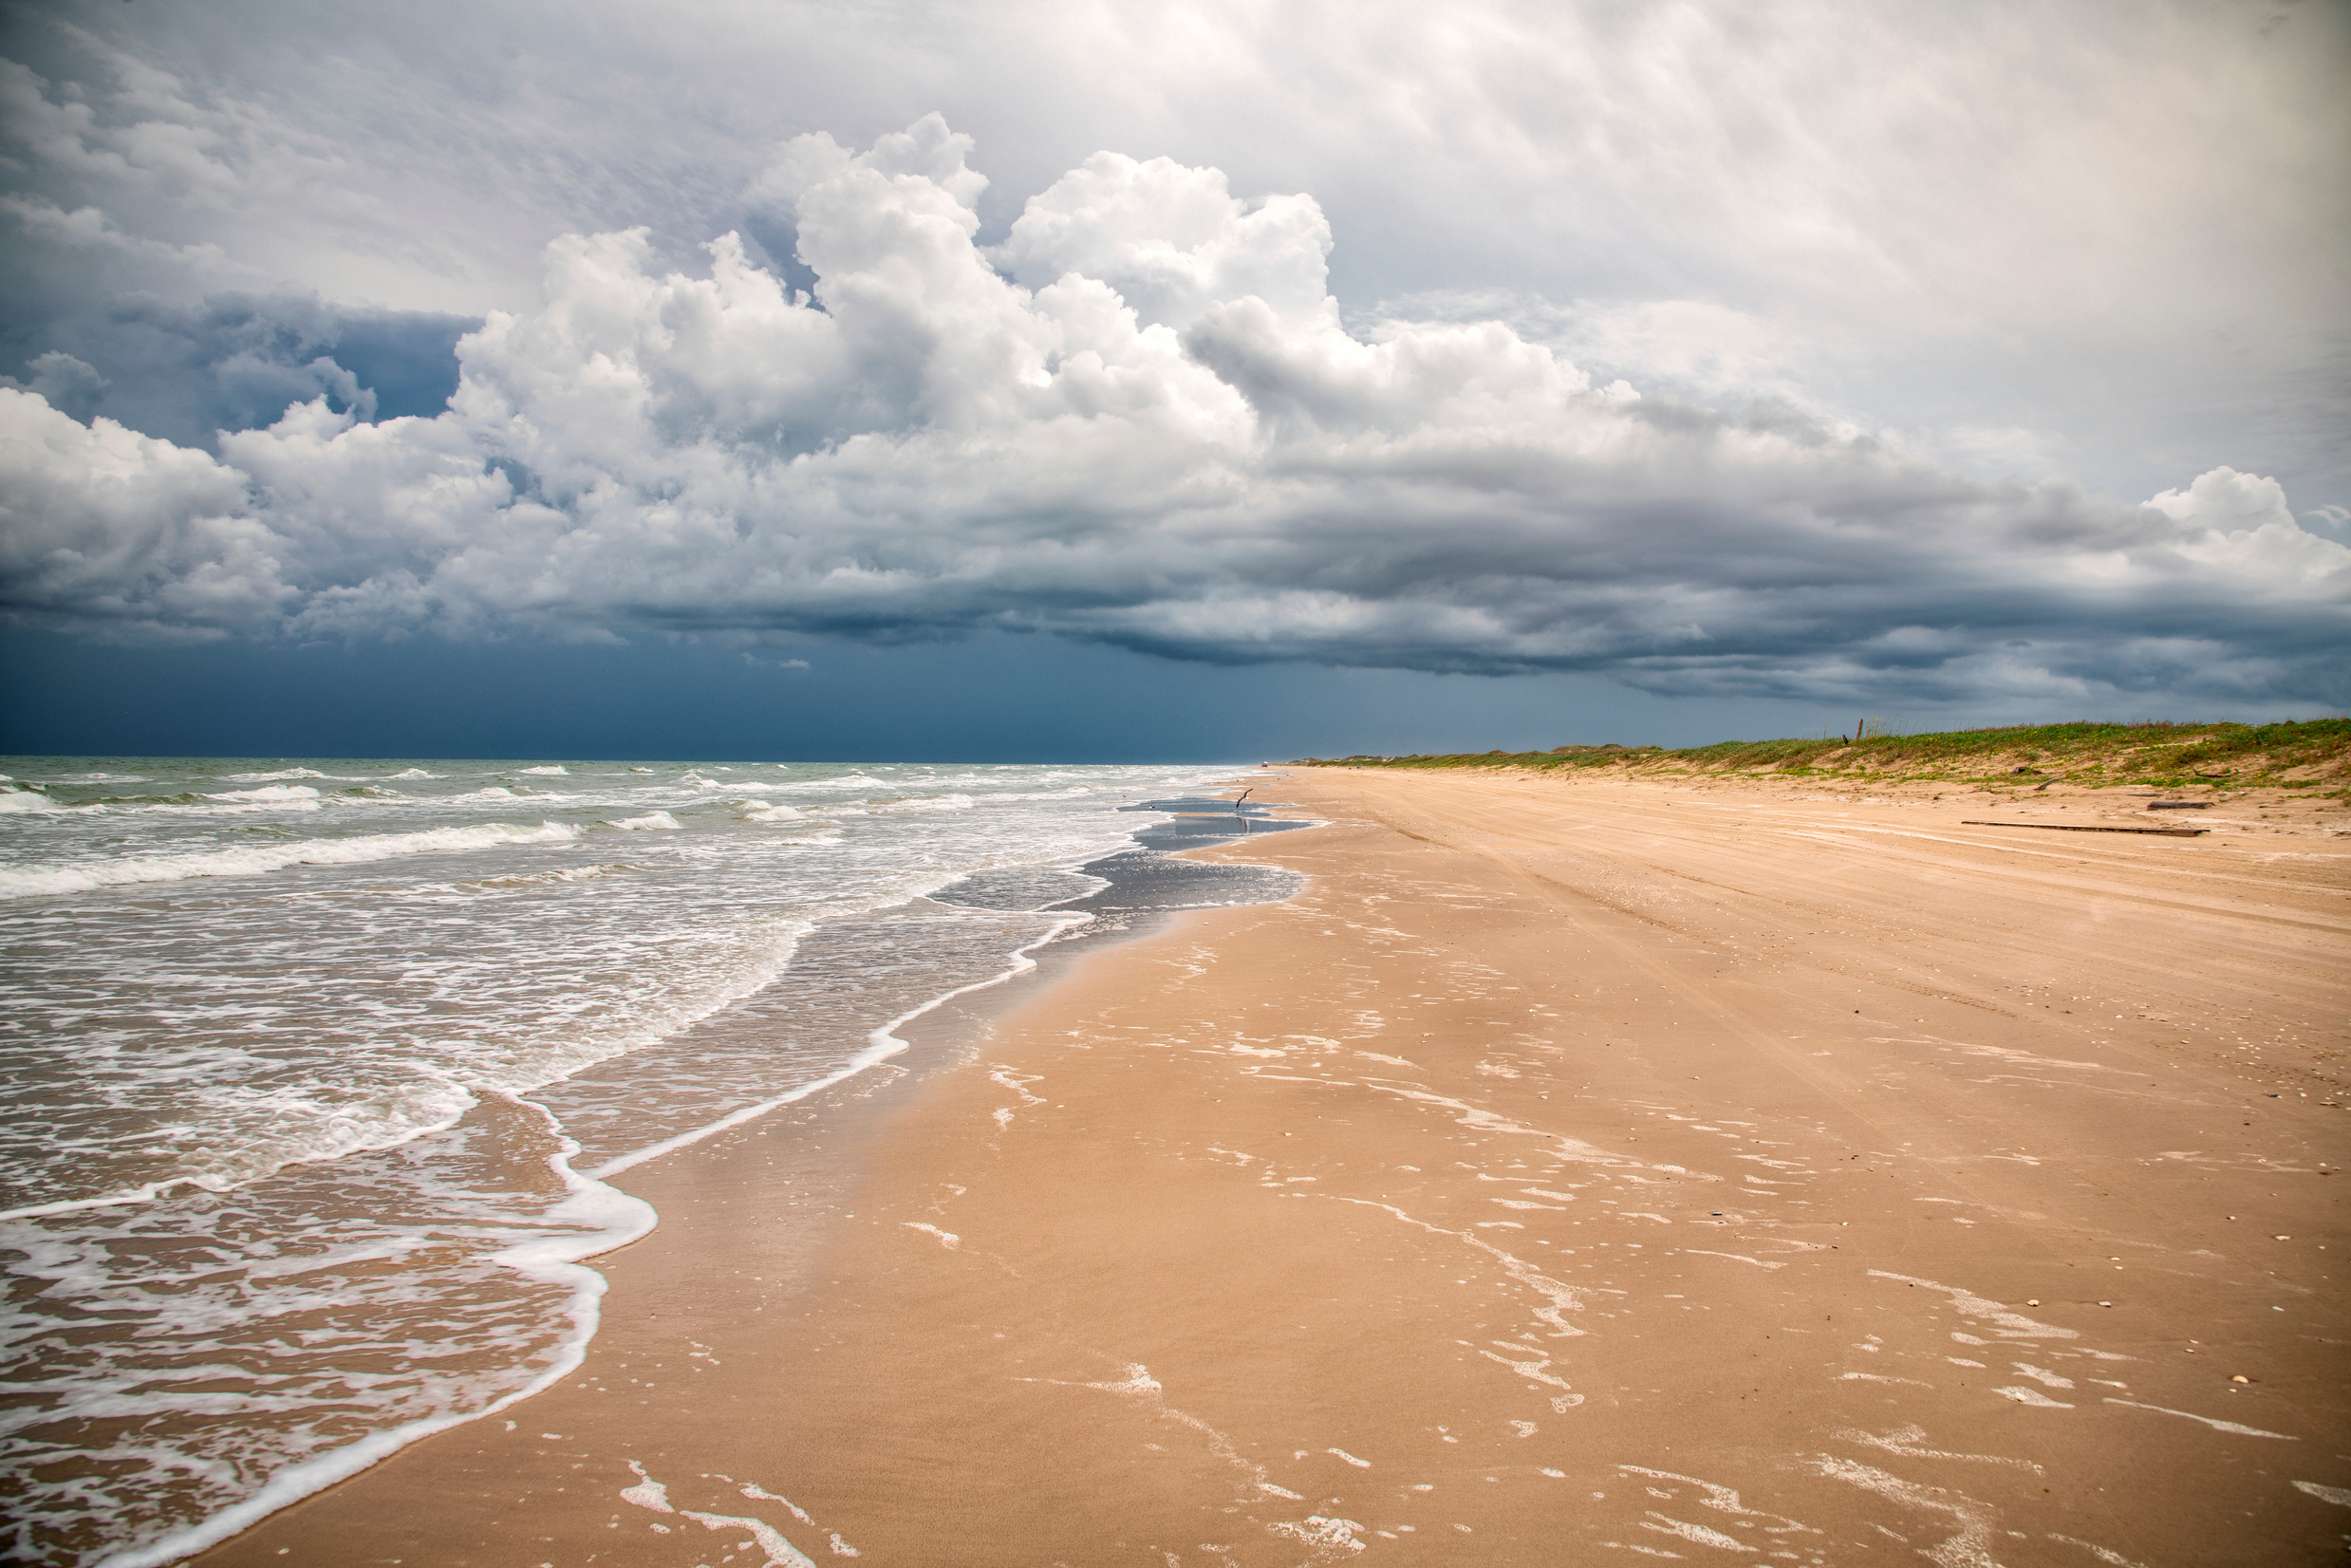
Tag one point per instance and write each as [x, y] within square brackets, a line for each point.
[2313, 754]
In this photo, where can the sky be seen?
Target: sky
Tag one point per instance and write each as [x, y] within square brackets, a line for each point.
[1080, 381]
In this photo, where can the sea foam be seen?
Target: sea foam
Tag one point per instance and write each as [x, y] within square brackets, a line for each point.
[280, 1090]
[37, 881]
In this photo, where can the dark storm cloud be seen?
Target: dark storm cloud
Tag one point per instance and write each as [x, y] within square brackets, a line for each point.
[931, 447]
[1120, 403]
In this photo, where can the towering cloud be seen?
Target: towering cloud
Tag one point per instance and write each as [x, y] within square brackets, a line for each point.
[1139, 419]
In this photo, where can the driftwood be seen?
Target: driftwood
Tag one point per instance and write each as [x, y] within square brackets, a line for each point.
[2088, 828]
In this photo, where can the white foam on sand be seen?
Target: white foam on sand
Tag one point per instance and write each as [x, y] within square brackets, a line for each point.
[1908, 1443]
[1971, 1546]
[2214, 1421]
[610, 1218]
[651, 1494]
[2011, 1324]
[881, 1045]
[343, 1113]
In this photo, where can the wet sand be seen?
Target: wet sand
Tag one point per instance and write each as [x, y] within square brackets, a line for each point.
[1575, 1172]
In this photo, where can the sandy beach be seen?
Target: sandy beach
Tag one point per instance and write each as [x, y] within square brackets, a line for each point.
[1574, 1173]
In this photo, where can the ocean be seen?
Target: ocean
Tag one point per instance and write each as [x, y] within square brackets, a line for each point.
[324, 1077]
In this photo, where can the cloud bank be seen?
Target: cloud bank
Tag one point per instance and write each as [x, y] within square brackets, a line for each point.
[1136, 420]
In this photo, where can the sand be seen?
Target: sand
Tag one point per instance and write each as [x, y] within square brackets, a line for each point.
[1577, 1172]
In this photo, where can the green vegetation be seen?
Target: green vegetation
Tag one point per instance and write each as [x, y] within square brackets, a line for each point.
[2314, 753]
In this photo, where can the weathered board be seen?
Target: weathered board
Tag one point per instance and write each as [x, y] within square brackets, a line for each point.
[2089, 828]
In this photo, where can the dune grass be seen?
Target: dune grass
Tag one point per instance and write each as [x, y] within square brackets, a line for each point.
[2312, 754]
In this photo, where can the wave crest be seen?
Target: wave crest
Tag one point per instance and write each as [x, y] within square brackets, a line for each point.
[40, 881]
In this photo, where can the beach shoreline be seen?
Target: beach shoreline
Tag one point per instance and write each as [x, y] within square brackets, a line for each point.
[826, 1123]
[1570, 1171]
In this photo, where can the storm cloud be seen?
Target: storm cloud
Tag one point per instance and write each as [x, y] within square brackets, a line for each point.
[1137, 420]
[1668, 360]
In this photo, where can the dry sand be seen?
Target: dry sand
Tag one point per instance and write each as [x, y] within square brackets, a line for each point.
[1574, 1173]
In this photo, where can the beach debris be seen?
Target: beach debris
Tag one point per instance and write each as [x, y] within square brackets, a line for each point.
[2088, 828]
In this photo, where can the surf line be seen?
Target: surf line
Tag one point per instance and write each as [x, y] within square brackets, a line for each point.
[590, 1198]
[881, 1044]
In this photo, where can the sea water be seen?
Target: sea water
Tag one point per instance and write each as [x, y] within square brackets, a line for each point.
[322, 1076]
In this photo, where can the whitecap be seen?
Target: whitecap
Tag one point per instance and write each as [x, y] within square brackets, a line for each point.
[536, 879]
[36, 881]
[183, 808]
[929, 803]
[282, 772]
[651, 821]
[552, 769]
[273, 795]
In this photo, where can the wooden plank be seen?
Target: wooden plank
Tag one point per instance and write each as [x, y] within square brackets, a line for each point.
[2088, 828]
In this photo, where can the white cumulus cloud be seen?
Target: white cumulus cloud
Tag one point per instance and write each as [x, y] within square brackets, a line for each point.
[1138, 419]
